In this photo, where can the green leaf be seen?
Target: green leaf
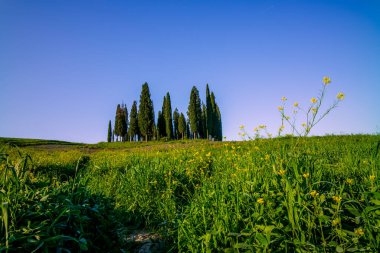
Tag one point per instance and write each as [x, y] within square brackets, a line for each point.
[242, 246]
[44, 198]
[339, 249]
[262, 239]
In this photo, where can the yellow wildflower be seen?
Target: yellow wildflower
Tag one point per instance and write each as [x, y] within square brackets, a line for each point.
[281, 172]
[306, 175]
[267, 157]
[262, 126]
[241, 127]
[340, 96]
[337, 199]
[313, 100]
[336, 222]
[326, 80]
[372, 177]
[349, 181]
[260, 201]
[280, 108]
[295, 104]
[359, 231]
[283, 98]
[314, 193]
[314, 110]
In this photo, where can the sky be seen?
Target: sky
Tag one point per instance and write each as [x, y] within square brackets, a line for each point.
[65, 65]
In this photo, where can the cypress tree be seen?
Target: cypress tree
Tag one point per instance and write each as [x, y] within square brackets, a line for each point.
[125, 135]
[209, 115]
[204, 121]
[117, 122]
[160, 125]
[219, 135]
[182, 125]
[109, 136]
[122, 126]
[194, 112]
[188, 131]
[175, 124]
[146, 113]
[163, 122]
[168, 117]
[133, 123]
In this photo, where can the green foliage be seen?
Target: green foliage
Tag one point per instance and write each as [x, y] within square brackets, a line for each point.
[44, 214]
[317, 194]
[146, 113]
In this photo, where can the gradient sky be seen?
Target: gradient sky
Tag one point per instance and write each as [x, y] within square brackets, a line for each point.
[64, 65]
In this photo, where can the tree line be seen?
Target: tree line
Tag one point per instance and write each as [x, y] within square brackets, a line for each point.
[203, 121]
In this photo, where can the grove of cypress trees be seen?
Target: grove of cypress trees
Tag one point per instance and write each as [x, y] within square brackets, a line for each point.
[109, 135]
[133, 123]
[146, 113]
[175, 124]
[195, 112]
[168, 117]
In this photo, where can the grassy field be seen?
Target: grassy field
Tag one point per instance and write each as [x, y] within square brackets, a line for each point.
[316, 194]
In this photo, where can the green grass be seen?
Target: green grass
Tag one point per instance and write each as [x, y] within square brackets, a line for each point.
[316, 194]
[23, 142]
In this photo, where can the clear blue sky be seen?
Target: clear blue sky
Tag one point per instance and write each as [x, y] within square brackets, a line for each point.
[64, 65]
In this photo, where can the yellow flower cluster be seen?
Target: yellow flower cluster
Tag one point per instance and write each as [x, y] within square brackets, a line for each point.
[337, 199]
[336, 222]
[281, 172]
[349, 181]
[359, 231]
[313, 100]
[314, 193]
[284, 99]
[280, 108]
[306, 175]
[260, 201]
[372, 177]
[295, 104]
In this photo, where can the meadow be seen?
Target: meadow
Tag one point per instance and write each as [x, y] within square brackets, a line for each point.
[288, 194]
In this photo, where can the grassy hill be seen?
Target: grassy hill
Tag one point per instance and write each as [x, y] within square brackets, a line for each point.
[284, 194]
